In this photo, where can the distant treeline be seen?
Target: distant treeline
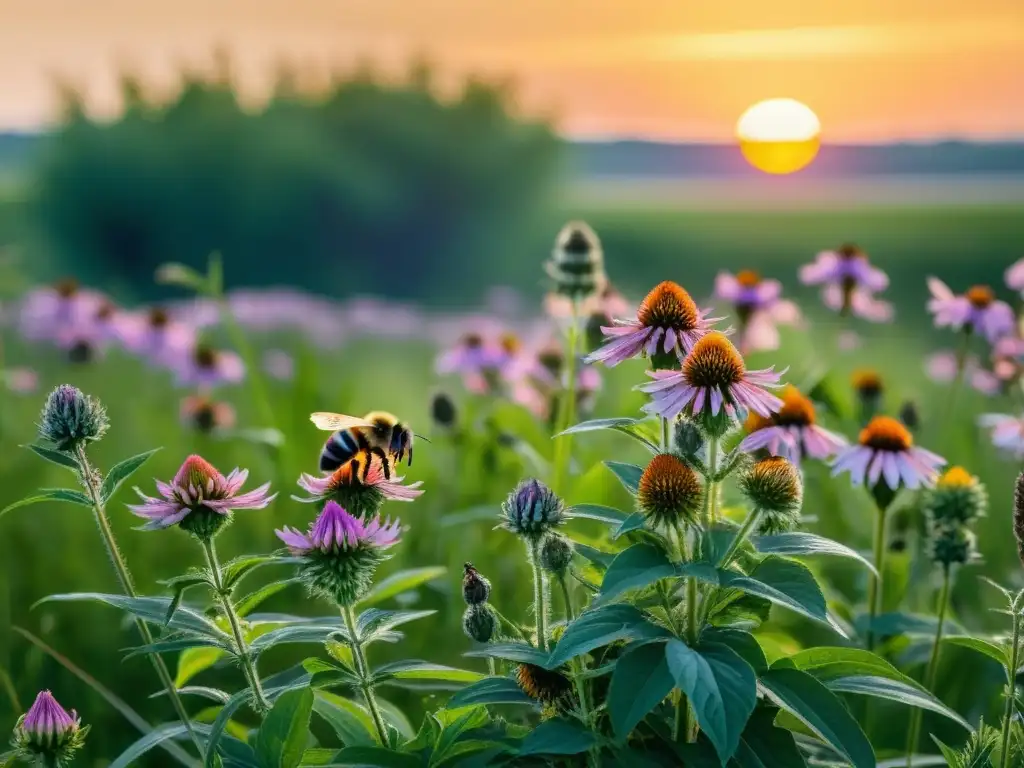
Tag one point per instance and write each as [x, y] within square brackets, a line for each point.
[644, 158]
[361, 185]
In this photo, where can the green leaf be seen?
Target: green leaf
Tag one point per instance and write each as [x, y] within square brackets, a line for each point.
[54, 456]
[598, 557]
[634, 522]
[490, 690]
[743, 643]
[639, 566]
[194, 661]
[374, 622]
[302, 633]
[800, 543]
[233, 570]
[474, 717]
[624, 425]
[121, 472]
[602, 626]
[412, 669]
[557, 737]
[894, 690]
[213, 694]
[520, 652]
[827, 663]
[50, 494]
[221, 723]
[802, 695]
[640, 681]
[281, 739]
[150, 740]
[763, 745]
[151, 609]
[252, 601]
[987, 647]
[351, 722]
[176, 644]
[722, 689]
[628, 474]
[378, 757]
[598, 512]
[400, 582]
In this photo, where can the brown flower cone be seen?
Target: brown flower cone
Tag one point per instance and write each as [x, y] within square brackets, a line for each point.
[1018, 516]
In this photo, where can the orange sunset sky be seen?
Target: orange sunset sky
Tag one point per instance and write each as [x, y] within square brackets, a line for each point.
[679, 69]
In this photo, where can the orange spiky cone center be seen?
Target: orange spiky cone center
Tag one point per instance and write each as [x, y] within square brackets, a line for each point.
[851, 251]
[867, 382]
[196, 471]
[714, 362]
[510, 343]
[796, 409]
[980, 296]
[957, 477]
[884, 433]
[542, 684]
[668, 484]
[756, 421]
[668, 305]
[748, 278]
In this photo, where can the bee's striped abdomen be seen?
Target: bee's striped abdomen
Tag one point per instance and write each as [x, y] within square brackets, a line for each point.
[339, 448]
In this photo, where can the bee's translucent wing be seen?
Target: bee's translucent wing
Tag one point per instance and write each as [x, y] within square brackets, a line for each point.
[334, 421]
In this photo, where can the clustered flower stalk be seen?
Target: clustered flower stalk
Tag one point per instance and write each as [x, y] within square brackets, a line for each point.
[70, 421]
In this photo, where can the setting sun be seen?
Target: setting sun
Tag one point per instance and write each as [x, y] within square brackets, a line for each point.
[779, 135]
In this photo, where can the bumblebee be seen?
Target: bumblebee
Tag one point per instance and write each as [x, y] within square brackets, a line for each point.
[357, 440]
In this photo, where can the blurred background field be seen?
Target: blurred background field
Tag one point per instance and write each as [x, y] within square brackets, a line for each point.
[372, 186]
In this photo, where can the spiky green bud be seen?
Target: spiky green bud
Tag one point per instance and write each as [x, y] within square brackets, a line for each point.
[71, 418]
[480, 622]
[555, 553]
[532, 510]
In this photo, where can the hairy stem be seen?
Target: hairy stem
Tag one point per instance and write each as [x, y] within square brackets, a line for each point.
[566, 404]
[363, 670]
[933, 666]
[91, 481]
[579, 666]
[539, 607]
[1011, 692]
[710, 510]
[875, 585]
[241, 647]
[741, 536]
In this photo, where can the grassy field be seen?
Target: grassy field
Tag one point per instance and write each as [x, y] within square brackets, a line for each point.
[48, 549]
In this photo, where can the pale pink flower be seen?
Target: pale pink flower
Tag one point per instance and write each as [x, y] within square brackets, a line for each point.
[977, 310]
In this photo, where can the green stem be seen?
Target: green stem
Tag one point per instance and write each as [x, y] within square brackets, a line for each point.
[710, 511]
[241, 647]
[579, 666]
[566, 404]
[741, 536]
[363, 670]
[933, 667]
[874, 588]
[538, 595]
[91, 480]
[1011, 693]
[490, 667]
[665, 435]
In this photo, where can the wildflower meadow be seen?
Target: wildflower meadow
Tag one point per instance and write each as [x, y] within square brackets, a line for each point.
[711, 525]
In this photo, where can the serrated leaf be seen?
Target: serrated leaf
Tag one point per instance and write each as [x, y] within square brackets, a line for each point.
[281, 739]
[803, 696]
[639, 566]
[121, 472]
[801, 543]
[556, 737]
[490, 690]
[50, 494]
[350, 721]
[628, 474]
[303, 633]
[602, 626]
[598, 557]
[640, 681]
[403, 581]
[53, 456]
[176, 644]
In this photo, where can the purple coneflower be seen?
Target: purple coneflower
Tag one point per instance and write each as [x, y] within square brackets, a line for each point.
[199, 499]
[541, 379]
[943, 366]
[886, 451]
[22, 381]
[157, 337]
[1007, 432]
[759, 308]
[46, 313]
[1015, 276]
[977, 310]
[485, 364]
[357, 490]
[849, 282]
[340, 552]
[792, 432]
[207, 367]
[205, 414]
[713, 379]
[668, 322]
[49, 732]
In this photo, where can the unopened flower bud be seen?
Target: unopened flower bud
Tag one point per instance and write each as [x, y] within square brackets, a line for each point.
[669, 493]
[577, 263]
[475, 587]
[443, 411]
[951, 544]
[688, 438]
[909, 416]
[71, 418]
[480, 622]
[47, 734]
[555, 553]
[774, 487]
[957, 498]
[532, 509]
[868, 386]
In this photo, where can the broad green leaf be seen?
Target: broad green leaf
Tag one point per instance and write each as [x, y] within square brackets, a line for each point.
[252, 601]
[987, 647]
[628, 474]
[598, 557]
[602, 626]
[827, 663]
[195, 660]
[597, 424]
[302, 633]
[802, 695]
[892, 624]
[151, 609]
[150, 740]
[908, 693]
[412, 669]
[216, 731]
[350, 721]
[316, 756]
[639, 566]
[634, 522]
[472, 718]
[213, 694]
[54, 456]
[50, 494]
[177, 644]
[743, 643]
[374, 622]
[379, 757]
[764, 745]
[400, 582]
[491, 690]
[640, 681]
[520, 652]
[557, 737]
[800, 543]
[604, 514]
[281, 739]
[233, 570]
[121, 472]
[721, 686]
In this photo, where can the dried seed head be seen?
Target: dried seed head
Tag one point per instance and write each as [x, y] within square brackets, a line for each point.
[714, 363]
[71, 418]
[773, 486]
[669, 493]
[542, 684]
[480, 622]
[443, 411]
[668, 305]
[951, 544]
[475, 587]
[532, 510]
[687, 438]
[577, 263]
[1018, 516]
[884, 433]
[555, 553]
